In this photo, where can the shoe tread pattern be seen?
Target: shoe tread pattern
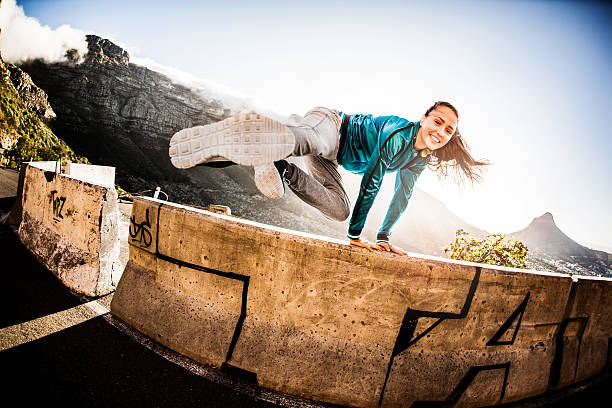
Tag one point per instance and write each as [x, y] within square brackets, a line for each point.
[246, 139]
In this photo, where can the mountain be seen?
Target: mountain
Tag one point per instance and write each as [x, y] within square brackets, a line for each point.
[542, 233]
[551, 249]
[24, 115]
[427, 226]
[121, 114]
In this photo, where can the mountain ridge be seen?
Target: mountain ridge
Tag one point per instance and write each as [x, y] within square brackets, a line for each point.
[24, 118]
[121, 114]
[551, 249]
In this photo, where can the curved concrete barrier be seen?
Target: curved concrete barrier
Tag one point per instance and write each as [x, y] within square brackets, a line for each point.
[69, 221]
[319, 319]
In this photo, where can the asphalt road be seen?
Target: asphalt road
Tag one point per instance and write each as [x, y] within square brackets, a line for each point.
[57, 347]
[91, 363]
[8, 182]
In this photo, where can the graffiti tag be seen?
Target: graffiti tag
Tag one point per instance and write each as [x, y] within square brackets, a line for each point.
[140, 232]
[58, 205]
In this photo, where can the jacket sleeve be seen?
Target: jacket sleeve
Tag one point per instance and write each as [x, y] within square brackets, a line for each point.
[370, 184]
[404, 185]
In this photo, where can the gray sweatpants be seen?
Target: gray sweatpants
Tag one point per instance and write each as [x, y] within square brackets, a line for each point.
[317, 139]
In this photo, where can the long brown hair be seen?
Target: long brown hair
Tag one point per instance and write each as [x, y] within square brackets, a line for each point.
[455, 157]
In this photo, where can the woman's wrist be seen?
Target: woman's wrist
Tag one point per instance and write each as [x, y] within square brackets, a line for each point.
[354, 234]
[382, 237]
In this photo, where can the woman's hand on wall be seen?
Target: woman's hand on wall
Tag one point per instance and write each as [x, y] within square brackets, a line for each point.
[385, 246]
[364, 244]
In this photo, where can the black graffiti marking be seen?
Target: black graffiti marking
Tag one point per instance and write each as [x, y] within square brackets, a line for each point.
[49, 175]
[58, 205]
[557, 363]
[245, 289]
[140, 232]
[518, 313]
[250, 376]
[411, 318]
[555, 368]
[463, 385]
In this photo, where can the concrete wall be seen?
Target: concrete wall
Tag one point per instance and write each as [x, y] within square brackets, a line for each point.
[101, 175]
[320, 319]
[71, 226]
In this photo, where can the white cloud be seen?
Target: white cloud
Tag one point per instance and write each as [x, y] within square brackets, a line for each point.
[236, 101]
[24, 38]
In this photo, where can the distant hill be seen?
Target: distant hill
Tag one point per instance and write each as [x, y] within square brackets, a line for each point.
[427, 226]
[542, 233]
[551, 249]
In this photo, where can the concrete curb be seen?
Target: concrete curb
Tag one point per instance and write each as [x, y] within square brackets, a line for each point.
[71, 225]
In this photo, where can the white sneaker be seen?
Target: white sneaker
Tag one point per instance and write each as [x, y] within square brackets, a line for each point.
[268, 180]
[248, 139]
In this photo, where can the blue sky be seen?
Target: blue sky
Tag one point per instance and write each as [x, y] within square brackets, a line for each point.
[531, 80]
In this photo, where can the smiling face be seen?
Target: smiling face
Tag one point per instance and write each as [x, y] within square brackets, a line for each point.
[436, 128]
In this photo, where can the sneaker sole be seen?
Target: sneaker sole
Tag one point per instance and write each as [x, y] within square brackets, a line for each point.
[246, 139]
[268, 181]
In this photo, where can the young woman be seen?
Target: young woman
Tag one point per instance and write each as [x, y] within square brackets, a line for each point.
[362, 144]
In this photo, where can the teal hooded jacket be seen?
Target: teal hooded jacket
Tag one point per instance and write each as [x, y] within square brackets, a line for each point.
[373, 146]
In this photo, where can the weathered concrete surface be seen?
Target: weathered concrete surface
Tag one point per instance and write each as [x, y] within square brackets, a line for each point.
[101, 175]
[16, 212]
[320, 319]
[71, 226]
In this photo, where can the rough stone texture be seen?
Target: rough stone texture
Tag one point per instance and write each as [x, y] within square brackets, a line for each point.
[120, 114]
[72, 227]
[321, 319]
[103, 51]
[188, 322]
[111, 265]
[34, 97]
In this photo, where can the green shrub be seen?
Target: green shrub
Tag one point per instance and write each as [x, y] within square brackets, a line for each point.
[492, 250]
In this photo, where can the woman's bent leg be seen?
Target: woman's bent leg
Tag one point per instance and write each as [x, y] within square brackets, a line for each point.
[322, 188]
[318, 133]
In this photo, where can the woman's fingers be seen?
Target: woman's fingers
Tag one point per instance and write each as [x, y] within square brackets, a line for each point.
[398, 250]
[381, 246]
[377, 248]
[384, 246]
[360, 243]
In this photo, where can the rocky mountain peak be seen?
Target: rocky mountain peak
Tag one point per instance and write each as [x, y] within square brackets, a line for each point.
[551, 249]
[543, 234]
[120, 114]
[545, 229]
[103, 51]
[34, 97]
[546, 218]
